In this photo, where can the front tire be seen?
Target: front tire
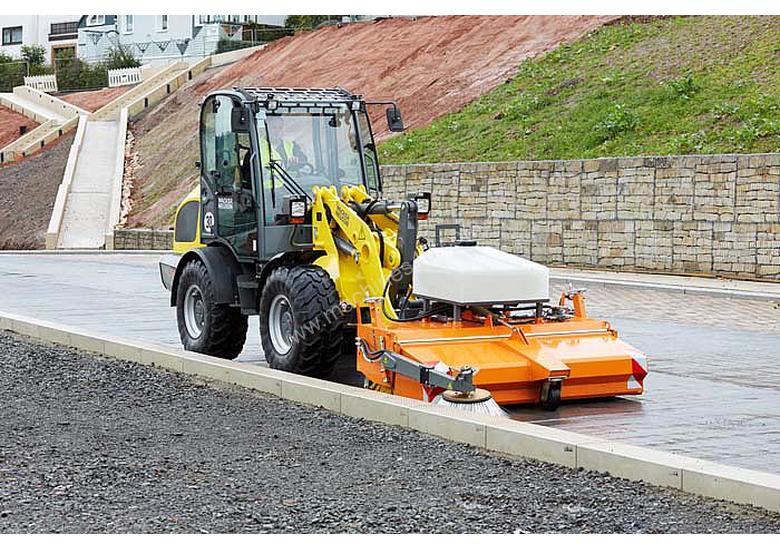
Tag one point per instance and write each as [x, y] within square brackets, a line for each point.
[301, 324]
[205, 326]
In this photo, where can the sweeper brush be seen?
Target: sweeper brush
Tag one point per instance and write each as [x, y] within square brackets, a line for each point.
[288, 223]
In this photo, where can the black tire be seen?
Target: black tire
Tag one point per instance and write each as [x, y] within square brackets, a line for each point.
[222, 328]
[311, 325]
[553, 398]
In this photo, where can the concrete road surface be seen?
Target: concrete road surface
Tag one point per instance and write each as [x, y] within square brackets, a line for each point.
[713, 390]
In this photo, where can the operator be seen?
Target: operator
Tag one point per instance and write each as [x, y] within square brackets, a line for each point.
[284, 147]
[283, 150]
[286, 151]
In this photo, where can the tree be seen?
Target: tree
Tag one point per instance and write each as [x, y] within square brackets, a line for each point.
[34, 54]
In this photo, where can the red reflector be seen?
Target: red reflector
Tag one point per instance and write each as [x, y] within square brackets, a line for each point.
[638, 371]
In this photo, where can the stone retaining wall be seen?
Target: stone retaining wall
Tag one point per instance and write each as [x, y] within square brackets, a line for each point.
[716, 215]
[143, 239]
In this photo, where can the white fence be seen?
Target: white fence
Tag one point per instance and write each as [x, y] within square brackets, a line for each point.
[124, 77]
[44, 83]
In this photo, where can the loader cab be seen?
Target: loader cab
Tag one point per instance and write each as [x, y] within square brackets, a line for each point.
[262, 152]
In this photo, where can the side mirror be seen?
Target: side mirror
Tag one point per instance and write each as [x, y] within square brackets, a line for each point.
[394, 121]
[423, 201]
[239, 121]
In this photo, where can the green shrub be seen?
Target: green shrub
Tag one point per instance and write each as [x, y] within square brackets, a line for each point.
[12, 72]
[75, 74]
[304, 22]
[230, 45]
[261, 33]
[616, 121]
[121, 57]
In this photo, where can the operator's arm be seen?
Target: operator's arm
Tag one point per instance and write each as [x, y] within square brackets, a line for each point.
[299, 157]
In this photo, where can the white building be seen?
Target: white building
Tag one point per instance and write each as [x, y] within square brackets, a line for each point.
[162, 38]
[56, 33]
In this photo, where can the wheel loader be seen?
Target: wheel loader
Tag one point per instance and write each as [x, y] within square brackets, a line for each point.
[289, 223]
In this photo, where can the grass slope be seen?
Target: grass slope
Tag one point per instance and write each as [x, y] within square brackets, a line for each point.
[693, 85]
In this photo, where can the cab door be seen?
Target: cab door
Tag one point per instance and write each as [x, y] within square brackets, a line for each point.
[228, 188]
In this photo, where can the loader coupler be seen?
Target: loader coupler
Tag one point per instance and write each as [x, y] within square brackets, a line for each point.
[578, 358]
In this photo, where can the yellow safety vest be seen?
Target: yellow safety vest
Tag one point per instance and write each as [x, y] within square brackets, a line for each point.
[289, 147]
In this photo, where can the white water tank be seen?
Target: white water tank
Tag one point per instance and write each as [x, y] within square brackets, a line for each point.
[478, 275]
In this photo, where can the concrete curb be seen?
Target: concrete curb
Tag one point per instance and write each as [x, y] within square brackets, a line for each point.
[226, 58]
[49, 102]
[80, 252]
[115, 205]
[494, 434]
[58, 210]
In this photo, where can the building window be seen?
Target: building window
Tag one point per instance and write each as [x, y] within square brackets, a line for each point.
[12, 35]
[96, 20]
[162, 23]
[127, 20]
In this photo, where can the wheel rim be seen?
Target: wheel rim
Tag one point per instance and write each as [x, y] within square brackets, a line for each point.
[194, 311]
[281, 324]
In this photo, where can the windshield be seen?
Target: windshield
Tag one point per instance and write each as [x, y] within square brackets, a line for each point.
[320, 148]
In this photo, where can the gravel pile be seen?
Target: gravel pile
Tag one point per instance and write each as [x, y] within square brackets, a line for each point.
[91, 444]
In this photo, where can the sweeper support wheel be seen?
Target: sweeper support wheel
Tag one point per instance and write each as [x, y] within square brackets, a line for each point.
[551, 395]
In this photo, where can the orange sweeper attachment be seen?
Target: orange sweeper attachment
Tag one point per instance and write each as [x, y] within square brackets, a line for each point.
[480, 324]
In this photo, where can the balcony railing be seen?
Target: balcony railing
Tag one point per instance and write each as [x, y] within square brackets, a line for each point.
[61, 31]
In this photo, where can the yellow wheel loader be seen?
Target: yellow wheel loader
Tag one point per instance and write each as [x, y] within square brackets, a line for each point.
[289, 224]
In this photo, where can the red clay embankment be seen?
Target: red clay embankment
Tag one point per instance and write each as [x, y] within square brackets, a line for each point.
[430, 65]
[10, 122]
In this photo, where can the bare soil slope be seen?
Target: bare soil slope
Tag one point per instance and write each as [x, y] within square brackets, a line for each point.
[27, 192]
[10, 121]
[431, 65]
[93, 100]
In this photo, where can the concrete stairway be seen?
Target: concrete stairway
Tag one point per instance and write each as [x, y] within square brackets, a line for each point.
[39, 105]
[30, 108]
[55, 117]
[92, 192]
[85, 218]
[111, 110]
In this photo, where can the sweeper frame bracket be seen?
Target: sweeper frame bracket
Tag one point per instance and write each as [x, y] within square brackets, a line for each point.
[426, 375]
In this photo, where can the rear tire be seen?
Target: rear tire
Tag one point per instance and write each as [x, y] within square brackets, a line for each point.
[205, 326]
[301, 324]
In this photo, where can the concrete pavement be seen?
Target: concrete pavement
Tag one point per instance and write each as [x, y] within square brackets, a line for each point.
[712, 391]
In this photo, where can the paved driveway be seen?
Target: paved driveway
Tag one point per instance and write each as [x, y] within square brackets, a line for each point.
[713, 391]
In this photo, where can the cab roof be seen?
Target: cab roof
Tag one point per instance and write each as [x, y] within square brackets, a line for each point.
[299, 96]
